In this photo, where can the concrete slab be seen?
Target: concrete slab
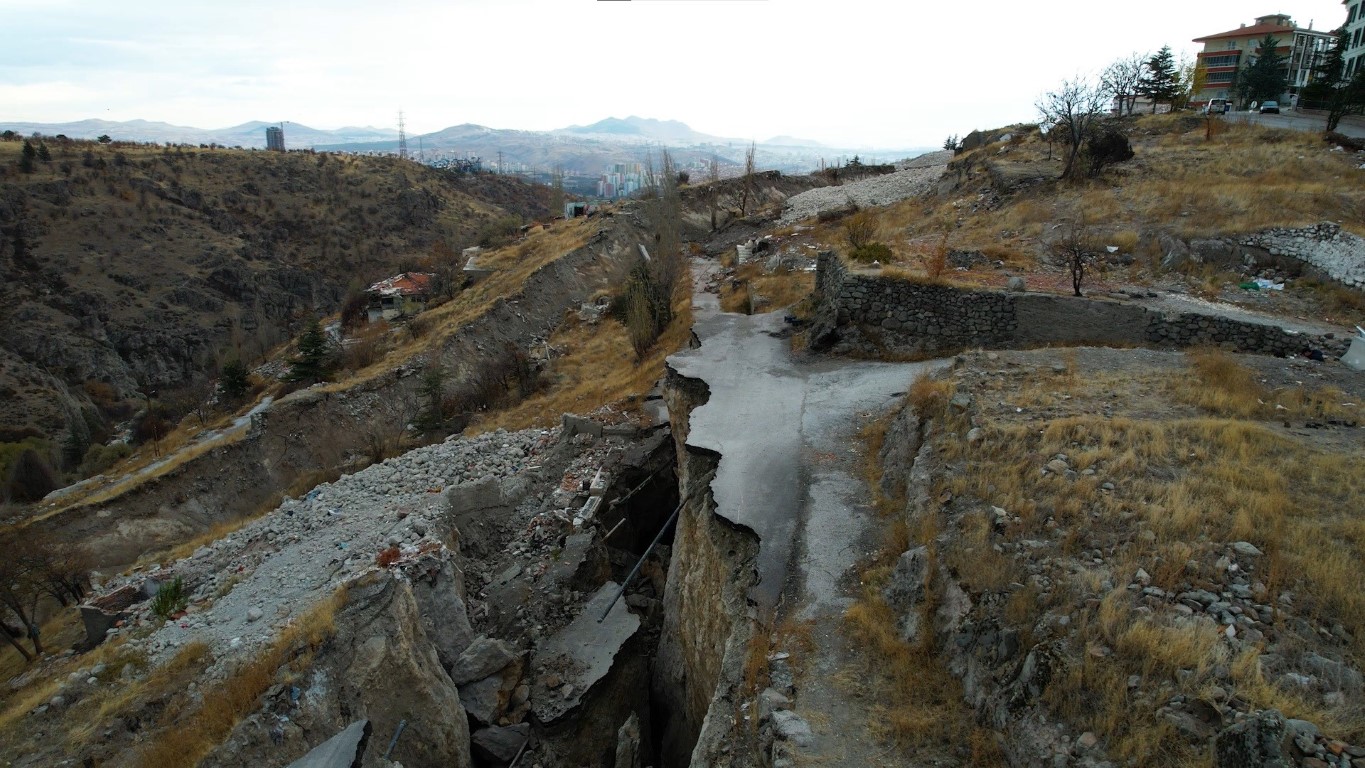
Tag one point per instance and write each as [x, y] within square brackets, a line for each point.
[343, 750]
[575, 659]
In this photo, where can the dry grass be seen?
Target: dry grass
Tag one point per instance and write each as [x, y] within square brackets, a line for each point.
[1204, 465]
[189, 732]
[751, 290]
[597, 367]
[513, 264]
[1224, 387]
[1247, 179]
[922, 702]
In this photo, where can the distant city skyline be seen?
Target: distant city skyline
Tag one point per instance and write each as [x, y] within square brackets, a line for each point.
[859, 74]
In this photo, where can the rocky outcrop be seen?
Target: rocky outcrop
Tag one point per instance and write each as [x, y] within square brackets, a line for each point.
[382, 666]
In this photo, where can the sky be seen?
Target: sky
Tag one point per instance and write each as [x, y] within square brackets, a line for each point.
[848, 73]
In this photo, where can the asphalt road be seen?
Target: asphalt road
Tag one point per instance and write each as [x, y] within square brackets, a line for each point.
[784, 429]
[1300, 121]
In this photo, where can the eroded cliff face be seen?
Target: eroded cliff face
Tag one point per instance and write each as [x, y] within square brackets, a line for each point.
[382, 665]
[707, 618]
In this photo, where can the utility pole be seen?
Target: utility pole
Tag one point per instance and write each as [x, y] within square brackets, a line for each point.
[402, 138]
[499, 162]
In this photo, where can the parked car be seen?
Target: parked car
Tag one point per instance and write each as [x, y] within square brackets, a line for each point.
[1217, 107]
[1272, 107]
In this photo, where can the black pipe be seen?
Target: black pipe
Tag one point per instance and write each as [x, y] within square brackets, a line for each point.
[641, 561]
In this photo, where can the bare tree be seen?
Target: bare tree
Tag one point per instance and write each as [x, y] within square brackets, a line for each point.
[1073, 109]
[1121, 80]
[748, 189]
[713, 188]
[22, 586]
[668, 259]
[557, 197]
[1074, 248]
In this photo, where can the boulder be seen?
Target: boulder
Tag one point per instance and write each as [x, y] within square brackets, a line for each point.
[489, 699]
[482, 658]
[1257, 742]
[381, 663]
[496, 745]
[1016, 285]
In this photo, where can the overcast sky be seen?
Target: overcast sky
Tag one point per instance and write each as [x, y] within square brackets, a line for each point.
[844, 72]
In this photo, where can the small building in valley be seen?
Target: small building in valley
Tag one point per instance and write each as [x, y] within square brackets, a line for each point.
[402, 295]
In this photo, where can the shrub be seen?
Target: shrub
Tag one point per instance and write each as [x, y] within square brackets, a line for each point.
[152, 425]
[860, 229]
[935, 259]
[387, 557]
[100, 457]
[232, 380]
[31, 477]
[1106, 146]
[170, 598]
[871, 252]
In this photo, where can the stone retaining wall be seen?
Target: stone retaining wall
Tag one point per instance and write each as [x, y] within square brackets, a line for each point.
[1341, 255]
[876, 316]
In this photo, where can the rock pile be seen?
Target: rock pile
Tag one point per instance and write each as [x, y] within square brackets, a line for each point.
[244, 587]
[1339, 254]
[878, 190]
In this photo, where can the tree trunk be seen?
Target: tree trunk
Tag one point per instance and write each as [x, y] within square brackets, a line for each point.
[21, 649]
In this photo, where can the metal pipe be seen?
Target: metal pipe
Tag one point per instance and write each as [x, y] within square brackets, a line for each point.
[394, 741]
[520, 752]
[641, 561]
[619, 523]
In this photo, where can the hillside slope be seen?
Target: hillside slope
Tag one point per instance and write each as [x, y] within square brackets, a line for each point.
[139, 268]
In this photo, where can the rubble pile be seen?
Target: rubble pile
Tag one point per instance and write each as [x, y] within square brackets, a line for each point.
[878, 190]
[244, 587]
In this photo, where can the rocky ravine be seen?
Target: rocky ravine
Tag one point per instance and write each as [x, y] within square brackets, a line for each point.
[475, 573]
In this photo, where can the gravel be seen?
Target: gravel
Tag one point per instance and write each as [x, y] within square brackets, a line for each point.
[918, 176]
[245, 587]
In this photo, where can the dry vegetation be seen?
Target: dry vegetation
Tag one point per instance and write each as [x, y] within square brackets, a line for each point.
[1244, 179]
[752, 290]
[180, 724]
[190, 728]
[1170, 465]
[593, 365]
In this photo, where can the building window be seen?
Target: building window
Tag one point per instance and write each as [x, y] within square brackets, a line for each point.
[1232, 45]
[1220, 61]
[1219, 77]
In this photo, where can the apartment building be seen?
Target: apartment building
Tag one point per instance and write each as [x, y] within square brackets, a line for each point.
[1227, 52]
[1354, 55]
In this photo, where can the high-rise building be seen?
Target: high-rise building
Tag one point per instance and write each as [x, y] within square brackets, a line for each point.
[1354, 55]
[1226, 53]
[274, 138]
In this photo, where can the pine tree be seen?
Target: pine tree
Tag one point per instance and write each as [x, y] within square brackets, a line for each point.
[311, 364]
[232, 380]
[43, 153]
[1161, 81]
[1331, 89]
[1264, 77]
[26, 158]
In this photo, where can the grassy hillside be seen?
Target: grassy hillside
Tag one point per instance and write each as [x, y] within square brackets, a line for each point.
[128, 271]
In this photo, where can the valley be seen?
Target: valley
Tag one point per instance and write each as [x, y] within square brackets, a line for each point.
[931, 508]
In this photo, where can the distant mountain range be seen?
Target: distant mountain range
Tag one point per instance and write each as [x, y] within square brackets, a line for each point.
[577, 149]
[250, 134]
